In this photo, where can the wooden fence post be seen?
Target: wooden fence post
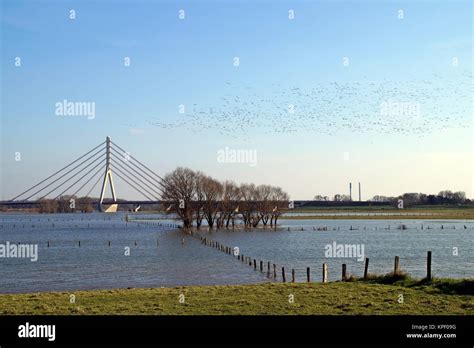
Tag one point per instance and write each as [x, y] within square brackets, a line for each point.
[261, 266]
[344, 272]
[293, 275]
[308, 274]
[283, 274]
[366, 268]
[274, 271]
[325, 272]
[396, 267]
[428, 266]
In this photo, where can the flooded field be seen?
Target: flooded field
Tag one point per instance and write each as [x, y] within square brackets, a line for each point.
[89, 251]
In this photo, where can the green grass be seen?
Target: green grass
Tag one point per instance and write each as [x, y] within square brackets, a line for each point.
[391, 217]
[439, 211]
[436, 286]
[335, 298]
[386, 208]
[411, 213]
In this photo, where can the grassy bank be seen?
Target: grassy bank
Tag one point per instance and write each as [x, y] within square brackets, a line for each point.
[336, 298]
[368, 213]
[448, 216]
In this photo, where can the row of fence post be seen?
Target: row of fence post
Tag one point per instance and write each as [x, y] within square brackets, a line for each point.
[273, 271]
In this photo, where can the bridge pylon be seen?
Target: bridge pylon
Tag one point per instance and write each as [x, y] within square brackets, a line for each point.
[76, 177]
[108, 178]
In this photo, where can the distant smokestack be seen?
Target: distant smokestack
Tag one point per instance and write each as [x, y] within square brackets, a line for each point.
[350, 191]
[360, 199]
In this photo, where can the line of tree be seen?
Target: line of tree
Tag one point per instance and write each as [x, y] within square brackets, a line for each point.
[196, 197]
[445, 197]
[338, 197]
[66, 204]
[409, 199]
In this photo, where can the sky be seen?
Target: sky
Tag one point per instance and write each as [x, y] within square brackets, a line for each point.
[322, 92]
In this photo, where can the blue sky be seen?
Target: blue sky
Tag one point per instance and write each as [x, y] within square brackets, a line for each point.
[283, 62]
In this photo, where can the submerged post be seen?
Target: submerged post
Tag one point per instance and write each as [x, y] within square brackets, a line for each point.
[396, 267]
[428, 266]
[366, 268]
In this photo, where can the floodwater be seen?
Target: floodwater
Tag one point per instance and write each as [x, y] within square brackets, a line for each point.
[157, 256]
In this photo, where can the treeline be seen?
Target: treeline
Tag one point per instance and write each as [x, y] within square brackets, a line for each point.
[66, 204]
[196, 197]
[445, 197]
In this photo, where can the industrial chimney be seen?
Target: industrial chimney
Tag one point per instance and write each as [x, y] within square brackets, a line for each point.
[360, 199]
[350, 191]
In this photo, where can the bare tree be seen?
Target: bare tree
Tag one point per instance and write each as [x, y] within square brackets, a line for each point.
[228, 204]
[263, 203]
[193, 196]
[179, 191]
[341, 198]
[48, 206]
[212, 190]
[247, 206]
[199, 202]
[279, 199]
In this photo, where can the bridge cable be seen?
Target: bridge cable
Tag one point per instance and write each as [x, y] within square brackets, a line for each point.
[138, 179]
[92, 177]
[142, 179]
[151, 171]
[80, 178]
[93, 186]
[49, 177]
[151, 194]
[166, 187]
[87, 166]
[133, 187]
[59, 178]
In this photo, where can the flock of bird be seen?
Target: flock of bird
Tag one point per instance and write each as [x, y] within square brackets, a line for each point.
[333, 108]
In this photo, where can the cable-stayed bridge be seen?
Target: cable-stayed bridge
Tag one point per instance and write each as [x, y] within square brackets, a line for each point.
[103, 163]
[98, 166]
